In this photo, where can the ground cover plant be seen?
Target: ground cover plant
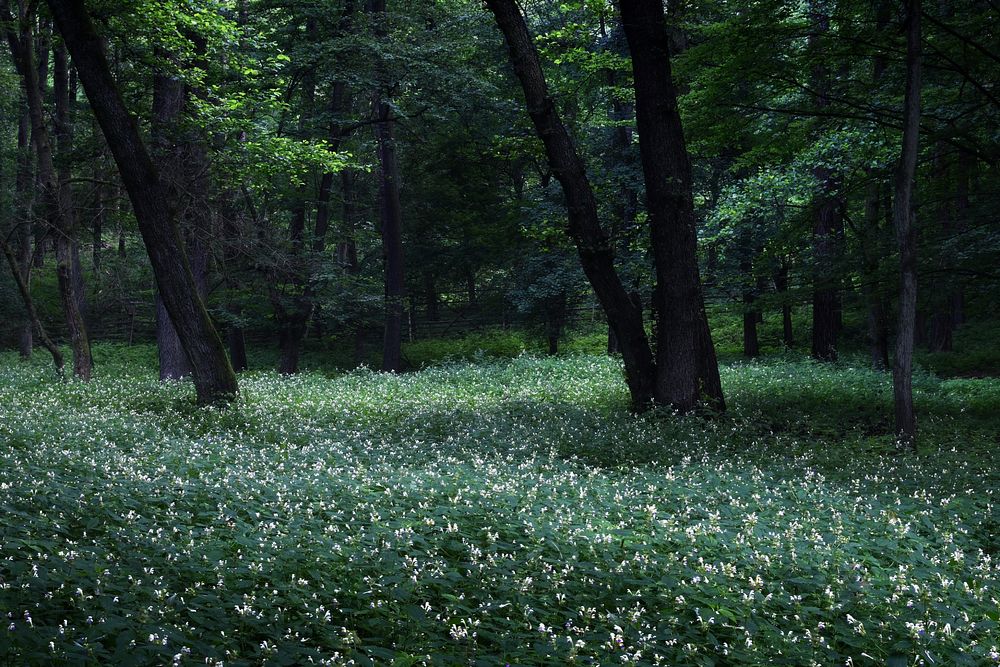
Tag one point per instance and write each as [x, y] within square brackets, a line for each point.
[506, 512]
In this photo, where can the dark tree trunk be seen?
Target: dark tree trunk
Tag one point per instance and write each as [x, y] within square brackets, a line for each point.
[871, 244]
[154, 211]
[825, 302]
[751, 344]
[827, 225]
[29, 306]
[22, 196]
[431, 297]
[966, 164]
[781, 285]
[555, 318]
[470, 285]
[168, 107]
[391, 227]
[902, 213]
[941, 318]
[390, 210]
[54, 184]
[237, 348]
[592, 243]
[686, 368]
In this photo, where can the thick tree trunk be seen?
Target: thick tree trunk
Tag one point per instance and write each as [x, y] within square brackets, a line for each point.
[154, 211]
[902, 213]
[686, 368]
[592, 243]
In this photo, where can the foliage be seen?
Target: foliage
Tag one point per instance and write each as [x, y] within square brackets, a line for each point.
[505, 512]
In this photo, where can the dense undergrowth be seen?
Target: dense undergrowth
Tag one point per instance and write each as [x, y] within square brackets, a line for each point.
[502, 512]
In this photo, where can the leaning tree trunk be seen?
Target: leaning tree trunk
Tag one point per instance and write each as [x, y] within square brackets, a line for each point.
[686, 368]
[29, 307]
[902, 215]
[154, 211]
[592, 243]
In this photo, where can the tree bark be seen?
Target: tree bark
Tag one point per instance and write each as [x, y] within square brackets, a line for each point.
[155, 213]
[687, 371]
[593, 244]
[391, 227]
[781, 285]
[902, 214]
[22, 203]
[871, 248]
[29, 306]
[56, 194]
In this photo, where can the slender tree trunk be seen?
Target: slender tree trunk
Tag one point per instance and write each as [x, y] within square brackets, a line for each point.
[871, 245]
[966, 164]
[902, 213]
[22, 195]
[29, 306]
[555, 318]
[154, 211]
[593, 244]
[391, 226]
[941, 319]
[781, 285]
[55, 188]
[686, 368]
[827, 223]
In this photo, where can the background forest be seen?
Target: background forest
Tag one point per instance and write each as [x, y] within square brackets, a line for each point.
[491, 332]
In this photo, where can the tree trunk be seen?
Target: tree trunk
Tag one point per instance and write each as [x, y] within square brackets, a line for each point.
[781, 285]
[237, 347]
[902, 213]
[941, 324]
[827, 225]
[54, 185]
[555, 318]
[686, 368]
[824, 301]
[592, 243]
[29, 306]
[154, 211]
[871, 247]
[391, 227]
[22, 203]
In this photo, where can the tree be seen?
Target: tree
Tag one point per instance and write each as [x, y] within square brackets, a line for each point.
[902, 217]
[686, 367]
[57, 199]
[592, 242]
[156, 214]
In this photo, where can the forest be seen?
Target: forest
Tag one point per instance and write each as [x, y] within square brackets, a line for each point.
[498, 332]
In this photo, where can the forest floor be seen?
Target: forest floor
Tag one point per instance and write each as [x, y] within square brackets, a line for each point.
[501, 512]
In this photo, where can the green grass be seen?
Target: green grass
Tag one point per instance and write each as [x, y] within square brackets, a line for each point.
[501, 512]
